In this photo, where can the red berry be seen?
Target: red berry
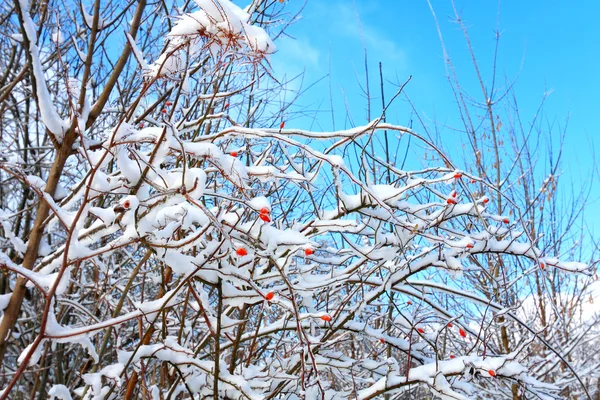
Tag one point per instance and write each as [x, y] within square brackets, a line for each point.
[382, 340]
[309, 252]
[473, 181]
[450, 325]
[457, 175]
[451, 201]
[462, 332]
[126, 204]
[241, 252]
[492, 373]
[233, 154]
[470, 246]
[269, 296]
[281, 125]
[141, 125]
[452, 356]
[453, 193]
[506, 221]
[409, 302]
[226, 105]
[542, 265]
[265, 217]
[486, 200]
[264, 210]
[326, 318]
[164, 111]
[168, 104]
[421, 330]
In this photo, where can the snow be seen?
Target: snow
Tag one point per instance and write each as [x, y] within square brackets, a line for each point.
[107, 215]
[168, 63]
[50, 116]
[181, 263]
[434, 373]
[274, 238]
[89, 19]
[172, 352]
[16, 242]
[453, 263]
[335, 160]
[258, 40]
[197, 204]
[203, 149]
[131, 169]
[151, 307]
[259, 202]
[224, 24]
[267, 173]
[95, 379]
[59, 392]
[35, 356]
[4, 299]
[57, 36]
[42, 280]
[137, 52]
[67, 218]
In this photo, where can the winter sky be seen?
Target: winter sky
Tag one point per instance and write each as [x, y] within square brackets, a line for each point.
[547, 46]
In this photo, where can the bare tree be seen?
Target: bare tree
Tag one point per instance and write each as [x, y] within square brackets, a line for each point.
[166, 235]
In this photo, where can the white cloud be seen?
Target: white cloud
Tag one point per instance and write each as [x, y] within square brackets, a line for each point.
[298, 52]
[349, 27]
[293, 58]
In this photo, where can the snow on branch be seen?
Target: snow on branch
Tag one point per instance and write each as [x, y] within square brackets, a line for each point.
[198, 256]
[55, 124]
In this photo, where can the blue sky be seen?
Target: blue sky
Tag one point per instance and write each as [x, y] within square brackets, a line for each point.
[548, 46]
[553, 46]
